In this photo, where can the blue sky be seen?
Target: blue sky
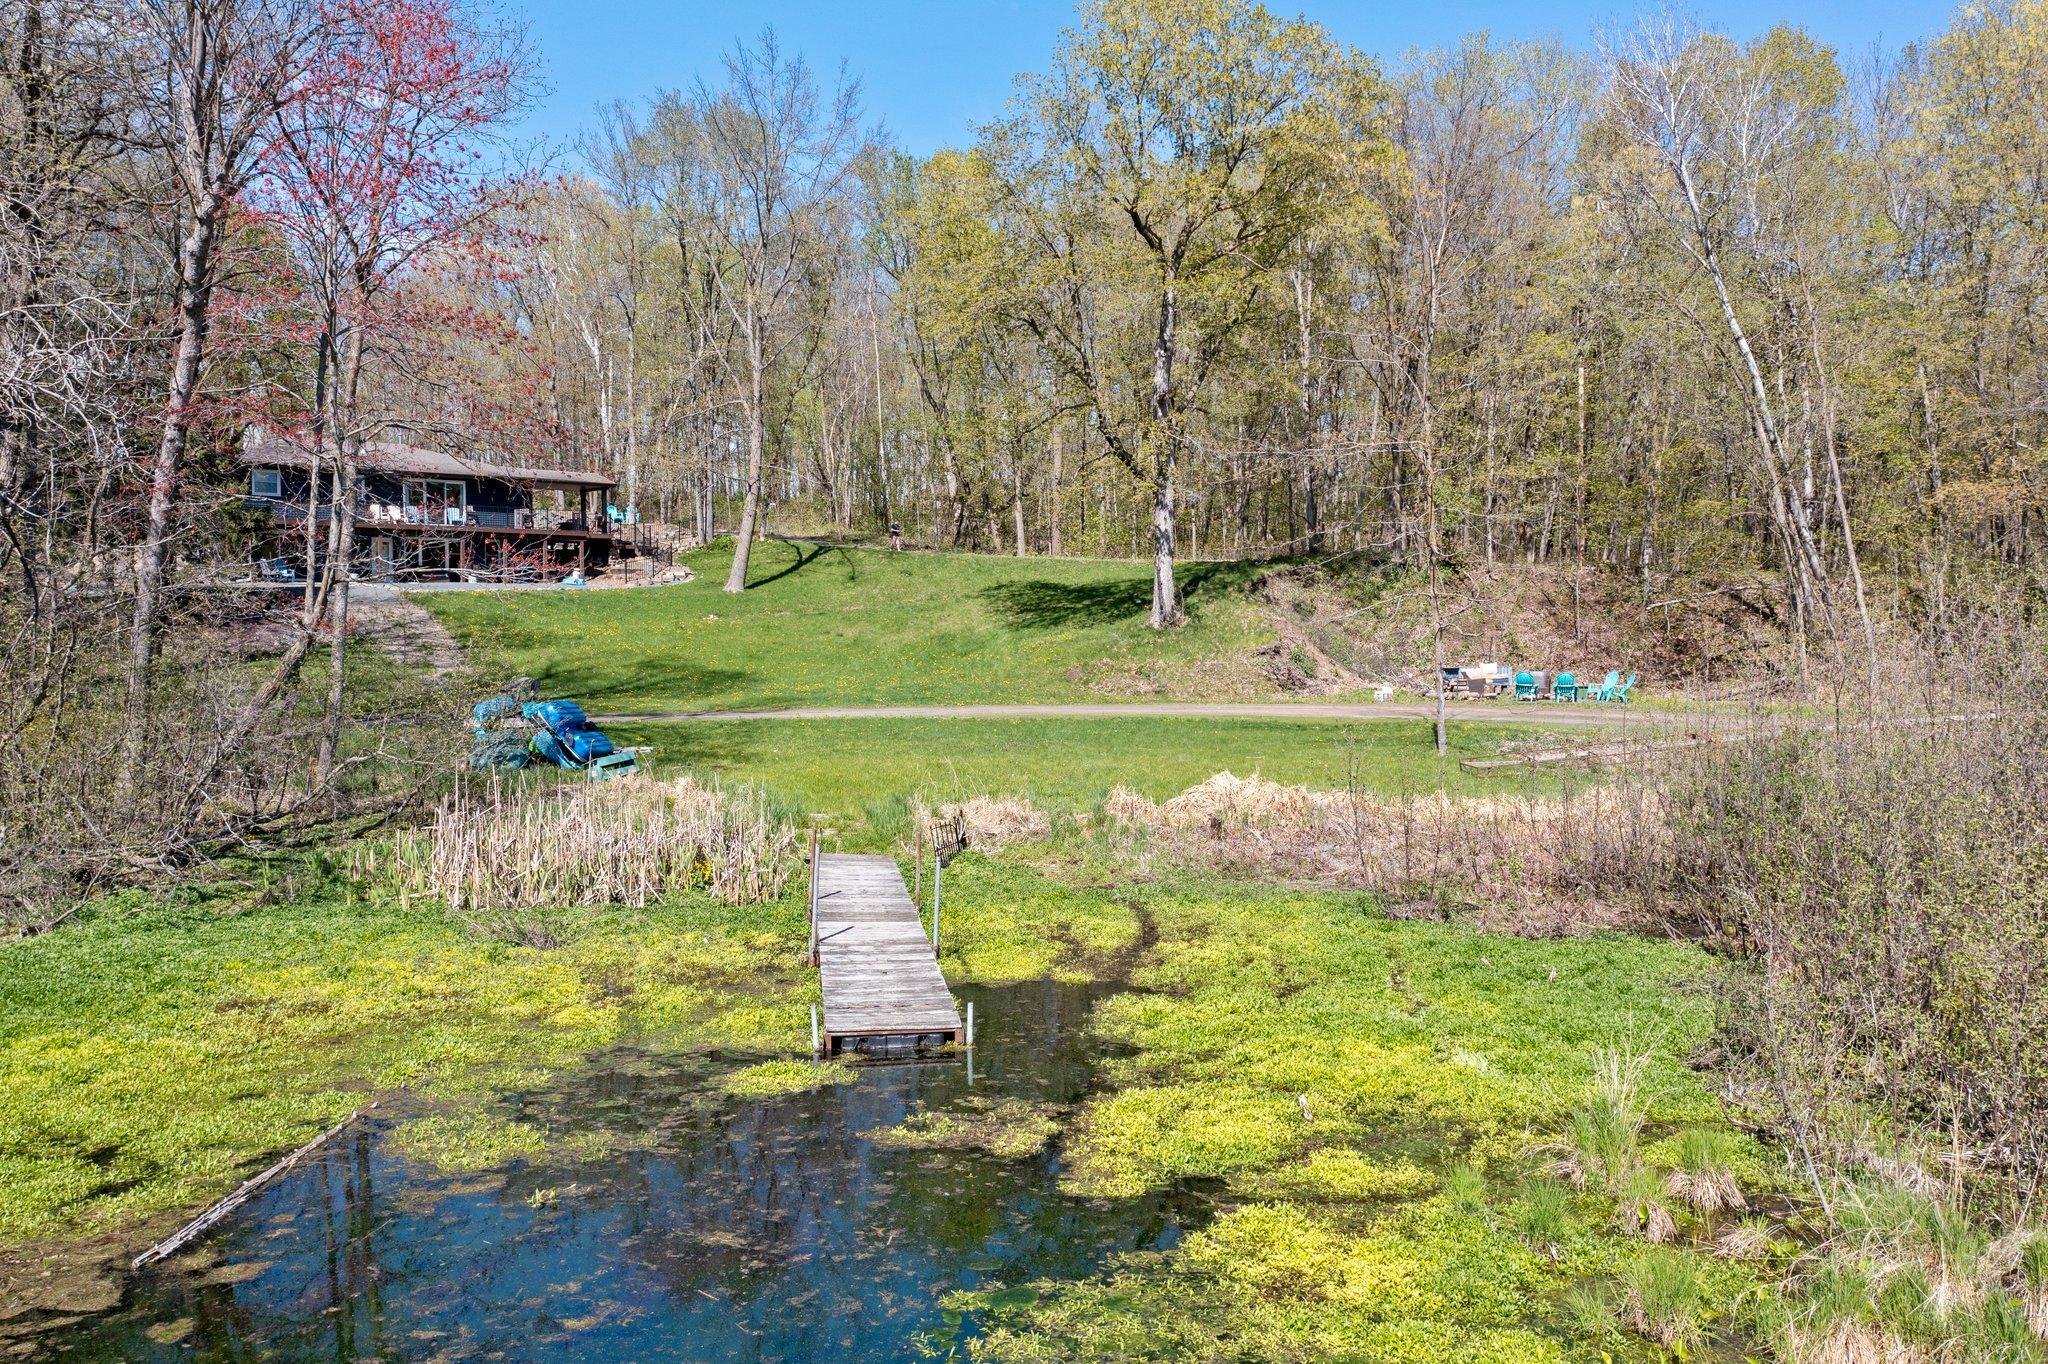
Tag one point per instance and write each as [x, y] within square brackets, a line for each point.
[931, 69]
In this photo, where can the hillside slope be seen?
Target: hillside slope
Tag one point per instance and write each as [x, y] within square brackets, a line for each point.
[868, 627]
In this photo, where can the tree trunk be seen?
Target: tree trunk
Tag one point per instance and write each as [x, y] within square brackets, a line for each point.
[341, 543]
[750, 506]
[1017, 504]
[195, 269]
[1166, 610]
[1052, 498]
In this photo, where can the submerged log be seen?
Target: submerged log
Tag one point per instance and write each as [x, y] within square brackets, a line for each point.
[206, 1221]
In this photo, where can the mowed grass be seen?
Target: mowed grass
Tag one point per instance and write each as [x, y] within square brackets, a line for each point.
[855, 768]
[865, 627]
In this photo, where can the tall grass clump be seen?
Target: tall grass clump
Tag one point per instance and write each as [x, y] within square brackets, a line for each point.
[629, 841]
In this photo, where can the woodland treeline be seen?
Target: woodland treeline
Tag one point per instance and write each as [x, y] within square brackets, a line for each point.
[1712, 314]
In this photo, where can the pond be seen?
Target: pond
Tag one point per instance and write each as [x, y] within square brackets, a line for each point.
[744, 1230]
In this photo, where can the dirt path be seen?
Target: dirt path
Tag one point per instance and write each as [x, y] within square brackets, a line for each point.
[1544, 714]
[403, 628]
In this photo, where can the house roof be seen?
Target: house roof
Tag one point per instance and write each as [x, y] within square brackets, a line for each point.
[266, 449]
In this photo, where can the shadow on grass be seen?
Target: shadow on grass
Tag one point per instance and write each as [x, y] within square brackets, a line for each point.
[600, 683]
[1040, 604]
[817, 552]
[720, 749]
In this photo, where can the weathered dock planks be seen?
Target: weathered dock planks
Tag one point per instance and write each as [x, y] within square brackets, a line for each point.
[880, 976]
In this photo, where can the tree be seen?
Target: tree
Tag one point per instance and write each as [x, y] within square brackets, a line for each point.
[1166, 168]
[376, 172]
[1716, 124]
[226, 69]
[773, 157]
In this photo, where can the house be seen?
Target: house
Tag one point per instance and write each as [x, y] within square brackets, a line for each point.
[423, 514]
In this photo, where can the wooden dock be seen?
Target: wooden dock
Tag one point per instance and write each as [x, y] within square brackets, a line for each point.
[884, 993]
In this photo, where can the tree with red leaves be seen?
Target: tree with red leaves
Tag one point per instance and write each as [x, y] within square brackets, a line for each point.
[381, 177]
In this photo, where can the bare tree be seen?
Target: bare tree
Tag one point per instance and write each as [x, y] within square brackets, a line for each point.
[775, 157]
[215, 73]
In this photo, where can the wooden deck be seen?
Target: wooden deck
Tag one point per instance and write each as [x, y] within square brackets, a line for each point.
[883, 988]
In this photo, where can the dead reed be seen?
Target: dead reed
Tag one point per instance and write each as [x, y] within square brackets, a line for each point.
[1574, 863]
[629, 841]
[991, 822]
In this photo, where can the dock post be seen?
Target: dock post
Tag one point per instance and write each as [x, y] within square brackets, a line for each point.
[814, 896]
[938, 879]
[814, 1029]
[970, 1025]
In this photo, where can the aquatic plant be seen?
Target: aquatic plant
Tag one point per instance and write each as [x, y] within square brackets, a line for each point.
[468, 1141]
[784, 1077]
[1007, 1127]
[1702, 1178]
[1662, 1298]
[1603, 1143]
[1542, 1215]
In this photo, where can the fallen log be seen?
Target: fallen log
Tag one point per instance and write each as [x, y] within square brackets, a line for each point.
[207, 1220]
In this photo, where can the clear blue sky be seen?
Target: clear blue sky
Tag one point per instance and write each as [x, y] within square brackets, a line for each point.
[931, 69]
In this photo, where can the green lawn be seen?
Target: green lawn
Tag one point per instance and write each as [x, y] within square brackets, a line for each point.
[866, 627]
[849, 767]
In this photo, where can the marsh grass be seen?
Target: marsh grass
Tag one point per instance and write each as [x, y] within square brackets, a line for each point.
[1570, 864]
[1662, 1299]
[629, 841]
[1911, 1276]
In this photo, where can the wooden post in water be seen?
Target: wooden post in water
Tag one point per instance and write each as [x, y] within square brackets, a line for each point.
[938, 878]
[814, 1029]
[970, 1025]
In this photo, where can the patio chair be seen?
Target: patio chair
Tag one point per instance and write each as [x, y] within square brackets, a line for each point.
[1525, 686]
[1605, 691]
[1622, 690]
[1565, 688]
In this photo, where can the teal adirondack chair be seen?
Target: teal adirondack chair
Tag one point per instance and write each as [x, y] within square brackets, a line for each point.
[1605, 691]
[1525, 686]
[1621, 692]
[1564, 688]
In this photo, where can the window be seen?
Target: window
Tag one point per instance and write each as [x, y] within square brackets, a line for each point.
[435, 502]
[266, 483]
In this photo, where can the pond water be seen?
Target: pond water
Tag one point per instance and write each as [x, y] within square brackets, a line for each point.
[746, 1230]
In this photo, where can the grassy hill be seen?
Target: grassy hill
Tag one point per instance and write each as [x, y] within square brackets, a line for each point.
[868, 627]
